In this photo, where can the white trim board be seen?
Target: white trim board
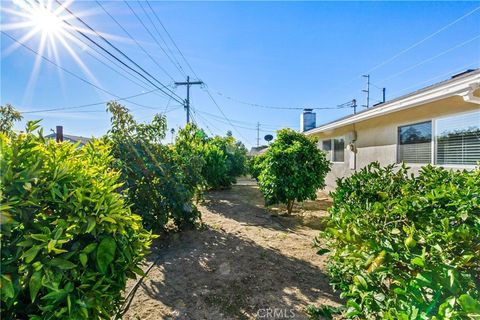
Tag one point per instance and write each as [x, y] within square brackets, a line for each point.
[463, 87]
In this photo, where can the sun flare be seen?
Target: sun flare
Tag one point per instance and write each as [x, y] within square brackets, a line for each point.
[48, 25]
[46, 21]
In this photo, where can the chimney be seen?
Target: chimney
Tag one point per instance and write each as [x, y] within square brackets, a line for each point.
[307, 120]
[59, 134]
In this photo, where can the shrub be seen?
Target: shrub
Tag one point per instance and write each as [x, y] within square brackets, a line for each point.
[8, 116]
[188, 148]
[68, 240]
[156, 182]
[292, 169]
[406, 247]
[254, 166]
[224, 158]
[225, 161]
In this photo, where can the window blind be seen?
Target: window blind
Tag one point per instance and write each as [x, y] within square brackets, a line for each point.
[415, 143]
[458, 139]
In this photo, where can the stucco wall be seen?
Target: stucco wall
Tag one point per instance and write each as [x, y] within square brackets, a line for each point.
[377, 137]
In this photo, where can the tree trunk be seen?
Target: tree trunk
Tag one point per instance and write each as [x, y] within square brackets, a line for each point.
[290, 206]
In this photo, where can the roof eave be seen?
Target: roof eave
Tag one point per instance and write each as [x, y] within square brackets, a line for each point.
[459, 87]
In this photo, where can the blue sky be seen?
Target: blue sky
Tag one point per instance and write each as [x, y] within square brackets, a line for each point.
[286, 54]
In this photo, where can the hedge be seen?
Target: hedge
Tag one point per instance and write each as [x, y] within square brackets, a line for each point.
[68, 239]
[404, 246]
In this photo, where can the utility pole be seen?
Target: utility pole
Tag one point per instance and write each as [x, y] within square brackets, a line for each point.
[187, 101]
[354, 105]
[368, 90]
[383, 93]
[258, 134]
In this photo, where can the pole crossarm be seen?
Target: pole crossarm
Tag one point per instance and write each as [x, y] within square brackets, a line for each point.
[188, 83]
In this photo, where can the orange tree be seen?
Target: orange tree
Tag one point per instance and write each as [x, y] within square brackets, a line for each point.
[68, 239]
[157, 182]
[406, 247]
[292, 169]
[223, 158]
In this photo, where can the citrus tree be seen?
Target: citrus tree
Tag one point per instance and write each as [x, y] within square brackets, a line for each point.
[224, 158]
[68, 240]
[406, 247]
[8, 116]
[156, 181]
[292, 169]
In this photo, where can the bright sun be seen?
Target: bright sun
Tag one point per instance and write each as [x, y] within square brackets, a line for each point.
[46, 21]
[51, 26]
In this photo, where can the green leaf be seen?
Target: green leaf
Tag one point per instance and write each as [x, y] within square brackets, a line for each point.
[7, 287]
[89, 248]
[91, 224]
[360, 280]
[31, 253]
[105, 253]
[395, 231]
[40, 237]
[469, 304]
[418, 261]
[83, 259]
[108, 219]
[35, 284]
[55, 296]
[51, 247]
[62, 264]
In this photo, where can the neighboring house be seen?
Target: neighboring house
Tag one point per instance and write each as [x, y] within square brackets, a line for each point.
[255, 151]
[73, 139]
[439, 124]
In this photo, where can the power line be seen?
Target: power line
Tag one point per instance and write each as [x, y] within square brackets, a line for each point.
[116, 64]
[165, 90]
[416, 44]
[222, 120]
[223, 114]
[69, 72]
[241, 122]
[188, 83]
[430, 59]
[92, 104]
[449, 73]
[171, 39]
[272, 107]
[152, 36]
[161, 37]
[135, 40]
[205, 120]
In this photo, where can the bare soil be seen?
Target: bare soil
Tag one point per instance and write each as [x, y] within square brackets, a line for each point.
[246, 262]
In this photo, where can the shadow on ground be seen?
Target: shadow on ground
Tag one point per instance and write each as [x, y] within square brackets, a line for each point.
[243, 262]
[232, 205]
[215, 275]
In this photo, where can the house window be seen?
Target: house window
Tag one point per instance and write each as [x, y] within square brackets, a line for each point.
[338, 150]
[458, 139]
[335, 149]
[327, 148]
[415, 143]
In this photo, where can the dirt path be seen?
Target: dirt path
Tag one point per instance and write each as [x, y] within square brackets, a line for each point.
[245, 261]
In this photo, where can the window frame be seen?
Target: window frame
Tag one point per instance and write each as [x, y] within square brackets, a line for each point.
[434, 139]
[432, 121]
[433, 142]
[330, 154]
